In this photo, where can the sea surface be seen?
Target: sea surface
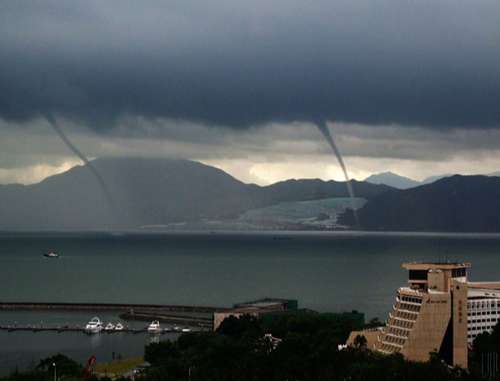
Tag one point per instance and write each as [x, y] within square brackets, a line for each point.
[324, 271]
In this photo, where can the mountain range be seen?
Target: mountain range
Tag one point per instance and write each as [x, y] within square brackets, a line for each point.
[401, 182]
[173, 194]
[151, 192]
[452, 204]
[393, 180]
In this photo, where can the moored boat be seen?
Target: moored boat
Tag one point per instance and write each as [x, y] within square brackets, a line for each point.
[94, 325]
[110, 327]
[154, 327]
[119, 327]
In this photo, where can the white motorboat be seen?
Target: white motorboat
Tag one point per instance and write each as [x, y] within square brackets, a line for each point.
[154, 327]
[119, 327]
[110, 327]
[186, 330]
[94, 325]
[51, 255]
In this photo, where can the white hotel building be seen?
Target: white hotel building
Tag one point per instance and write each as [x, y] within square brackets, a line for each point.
[483, 308]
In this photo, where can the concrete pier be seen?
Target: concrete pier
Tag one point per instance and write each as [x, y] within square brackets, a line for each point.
[204, 317]
[66, 328]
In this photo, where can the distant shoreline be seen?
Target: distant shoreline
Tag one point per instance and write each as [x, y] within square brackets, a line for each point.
[275, 235]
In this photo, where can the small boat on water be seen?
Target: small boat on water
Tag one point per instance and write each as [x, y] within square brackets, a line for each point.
[109, 327]
[154, 327]
[94, 325]
[186, 330]
[51, 254]
[119, 327]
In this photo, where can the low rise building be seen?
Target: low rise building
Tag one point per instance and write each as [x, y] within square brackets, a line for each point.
[254, 308]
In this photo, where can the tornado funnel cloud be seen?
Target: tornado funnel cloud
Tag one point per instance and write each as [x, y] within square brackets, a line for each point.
[100, 180]
[323, 127]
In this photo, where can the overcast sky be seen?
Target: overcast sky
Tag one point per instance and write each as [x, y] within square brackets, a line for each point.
[407, 86]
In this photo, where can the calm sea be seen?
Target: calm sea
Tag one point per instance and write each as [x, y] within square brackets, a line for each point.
[323, 271]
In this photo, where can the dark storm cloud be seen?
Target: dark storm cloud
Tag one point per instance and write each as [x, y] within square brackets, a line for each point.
[427, 63]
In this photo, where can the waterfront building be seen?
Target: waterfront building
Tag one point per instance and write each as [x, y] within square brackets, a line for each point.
[438, 311]
[255, 308]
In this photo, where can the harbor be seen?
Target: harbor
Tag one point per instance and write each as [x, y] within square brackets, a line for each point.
[171, 277]
[178, 318]
[81, 328]
[200, 317]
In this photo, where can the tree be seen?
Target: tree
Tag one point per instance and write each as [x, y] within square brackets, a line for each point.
[374, 323]
[66, 367]
[360, 342]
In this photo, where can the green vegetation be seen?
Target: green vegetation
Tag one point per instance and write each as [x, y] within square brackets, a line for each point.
[488, 342]
[308, 350]
[486, 347]
[238, 351]
[67, 370]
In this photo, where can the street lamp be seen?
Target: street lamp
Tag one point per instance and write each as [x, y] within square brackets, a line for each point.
[55, 371]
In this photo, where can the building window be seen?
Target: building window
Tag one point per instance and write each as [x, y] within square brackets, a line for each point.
[458, 273]
[418, 274]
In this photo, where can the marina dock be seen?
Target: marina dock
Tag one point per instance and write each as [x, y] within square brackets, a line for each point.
[191, 316]
[77, 328]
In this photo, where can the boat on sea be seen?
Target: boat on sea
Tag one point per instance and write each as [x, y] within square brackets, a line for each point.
[154, 327]
[51, 254]
[119, 327]
[109, 327]
[94, 325]
[186, 330]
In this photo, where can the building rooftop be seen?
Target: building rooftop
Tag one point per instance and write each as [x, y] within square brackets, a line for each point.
[435, 265]
[485, 285]
[268, 302]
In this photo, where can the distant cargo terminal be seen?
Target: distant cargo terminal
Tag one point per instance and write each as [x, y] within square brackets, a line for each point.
[439, 311]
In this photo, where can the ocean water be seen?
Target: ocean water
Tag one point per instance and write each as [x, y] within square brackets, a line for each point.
[323, 271]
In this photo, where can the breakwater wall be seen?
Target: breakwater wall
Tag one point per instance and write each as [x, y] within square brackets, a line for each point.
[107, 307]
[193, 316]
